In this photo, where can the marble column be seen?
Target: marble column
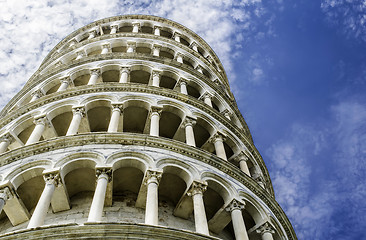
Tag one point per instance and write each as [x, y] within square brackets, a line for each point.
[5, 141]
[131, 47]
[199, 69]
[183, 87]
[235, 208]
[117, 110]
[157, 30]
[218, 140]
[242, 159]
[207, 98]
[114, 29]
[104, 175]
[156, 78]
[4, 196]
[40, 212]
[80, 54]
[106, 48]
[154, 118]
[78, 114]
[124, 72]
[227, 114]
[156, 50]
[188, 126]
[65, 83]
[92, 34]
[41, 123]
[152, 179]
[94, 74]
[196, 192]
[179, 57]
[176, 36]
[72, 44]
[135, 27]
[194, 46]
[36, 94]
[266, 231]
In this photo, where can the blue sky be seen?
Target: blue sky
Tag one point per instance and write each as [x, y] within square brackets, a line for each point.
[297, 69]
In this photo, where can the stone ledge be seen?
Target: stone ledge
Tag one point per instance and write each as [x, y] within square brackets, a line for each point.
[163, 143]
[105, 231]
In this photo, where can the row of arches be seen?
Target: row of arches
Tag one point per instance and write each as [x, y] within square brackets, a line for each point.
[146, 27]
[101, 113]
[129, 174]
[136, 73]
[140, 47]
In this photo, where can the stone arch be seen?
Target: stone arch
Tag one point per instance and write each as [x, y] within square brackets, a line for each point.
[98, 112]
[168, 79]
[218, 194]
[135, 115]
[110, 72]
[29, 183]
[119, 46]
[60, 115]
[93, 49]
[203, 130]
[143, 47]
[51, 85]
[128, 173]
[125, 27]
[170, 120]
[147, 27]
[253, 208]
[80, 77]
[167, 52]
[166, 32]
[140, 74]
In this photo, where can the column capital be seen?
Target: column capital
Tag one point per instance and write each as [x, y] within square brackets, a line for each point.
[197, 187]
[81, 53]
[265, 228]
[72, 43]
[193, 44]
[199, 68]
[52, 177]
[41, 120]
[125, 69]
[157, 46]
[235, 205]
[38, 93]
[182, 81]
[241, 156]
[117, 107]
[95, 71]
[131, 43]
[156, 73]
[217, 137]
[189, 121]
[7, 193]
[79, 110]
[136, 24]
[209, 58]
[104, 170]
[176, 34]
[178, 54]
[205, 95]
[114, 25]
[6, 137]
[106, 45]
[152, 176]
[226, 112]
[157, 27]
[66, 79]
[156, 110]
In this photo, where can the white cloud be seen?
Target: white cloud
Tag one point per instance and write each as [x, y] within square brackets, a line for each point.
[32, 28]
[349, 15]
[318, 172]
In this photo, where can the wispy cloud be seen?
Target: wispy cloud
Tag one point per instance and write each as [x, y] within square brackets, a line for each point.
[319, 190]
[32, 28]
[349, 15]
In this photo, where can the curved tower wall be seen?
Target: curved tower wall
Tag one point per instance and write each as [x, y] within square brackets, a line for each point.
[129, 128]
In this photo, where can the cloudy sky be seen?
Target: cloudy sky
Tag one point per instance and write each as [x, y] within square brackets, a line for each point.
[297, 69]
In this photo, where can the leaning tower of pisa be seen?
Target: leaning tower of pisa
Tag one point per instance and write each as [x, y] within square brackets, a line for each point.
[128, 130]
